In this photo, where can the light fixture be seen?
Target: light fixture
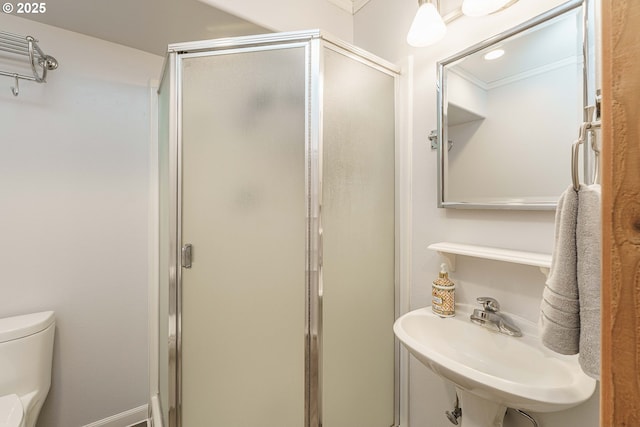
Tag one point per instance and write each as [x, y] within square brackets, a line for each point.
[482, 7]
[427, 27]
[494, 54]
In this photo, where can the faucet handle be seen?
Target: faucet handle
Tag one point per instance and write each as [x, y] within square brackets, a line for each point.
[489, 304]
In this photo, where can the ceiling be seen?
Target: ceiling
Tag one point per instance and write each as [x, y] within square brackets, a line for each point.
[151, 25]
[551, 43]
[148, 25]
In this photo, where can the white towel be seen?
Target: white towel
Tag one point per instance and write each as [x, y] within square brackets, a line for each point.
[560, 307]
[588, 244]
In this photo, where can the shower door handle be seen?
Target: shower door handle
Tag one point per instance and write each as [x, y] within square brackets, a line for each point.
[187, 255]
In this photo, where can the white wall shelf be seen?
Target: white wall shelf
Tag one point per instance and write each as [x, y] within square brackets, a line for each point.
[448, 251]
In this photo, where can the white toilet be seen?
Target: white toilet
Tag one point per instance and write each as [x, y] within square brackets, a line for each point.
[26, 353]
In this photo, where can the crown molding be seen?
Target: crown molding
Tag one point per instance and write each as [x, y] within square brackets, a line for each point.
[351, 6]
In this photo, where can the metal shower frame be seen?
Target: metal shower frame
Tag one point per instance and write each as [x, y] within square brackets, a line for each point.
[313, 42]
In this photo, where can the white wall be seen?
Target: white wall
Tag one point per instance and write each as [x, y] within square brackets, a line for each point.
[291, 15]
[380, 27]
[73, 202]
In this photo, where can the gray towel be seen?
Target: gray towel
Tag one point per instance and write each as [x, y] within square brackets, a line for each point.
[560, 307]
[588, 238]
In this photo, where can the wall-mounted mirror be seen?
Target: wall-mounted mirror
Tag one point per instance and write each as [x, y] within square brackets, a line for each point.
[509, 109]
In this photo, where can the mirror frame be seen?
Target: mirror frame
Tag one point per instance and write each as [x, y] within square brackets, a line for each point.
[588, 99]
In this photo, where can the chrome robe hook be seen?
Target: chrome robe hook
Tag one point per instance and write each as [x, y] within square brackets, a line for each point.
[15, 90]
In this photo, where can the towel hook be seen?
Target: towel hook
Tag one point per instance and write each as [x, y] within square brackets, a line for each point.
[575, 151]
[575, 178]
[15, 90]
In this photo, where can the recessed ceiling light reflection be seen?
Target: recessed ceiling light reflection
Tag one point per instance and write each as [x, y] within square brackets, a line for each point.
[494, 54]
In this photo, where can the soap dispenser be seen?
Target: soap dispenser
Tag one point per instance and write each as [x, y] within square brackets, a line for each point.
[443, 301]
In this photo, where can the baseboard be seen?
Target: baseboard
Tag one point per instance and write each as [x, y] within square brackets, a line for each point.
[124, 419]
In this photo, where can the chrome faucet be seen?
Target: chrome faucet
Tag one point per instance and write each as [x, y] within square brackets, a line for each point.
[490, 317]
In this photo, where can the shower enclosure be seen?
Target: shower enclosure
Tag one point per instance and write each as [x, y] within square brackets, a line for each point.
[277, 246]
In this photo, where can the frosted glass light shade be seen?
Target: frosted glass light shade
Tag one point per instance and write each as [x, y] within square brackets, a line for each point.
[427, 27]
[482, 7]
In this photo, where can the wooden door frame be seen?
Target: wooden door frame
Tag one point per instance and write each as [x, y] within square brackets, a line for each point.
[620, 378]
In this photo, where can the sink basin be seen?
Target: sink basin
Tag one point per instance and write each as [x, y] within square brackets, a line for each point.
[506, 371]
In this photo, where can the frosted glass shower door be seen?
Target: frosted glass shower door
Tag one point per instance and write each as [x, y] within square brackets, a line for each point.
[358, 223]
[244, 212]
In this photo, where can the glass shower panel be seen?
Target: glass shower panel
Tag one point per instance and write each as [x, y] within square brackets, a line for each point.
[244, 212]
[358, 208]
[164, 227]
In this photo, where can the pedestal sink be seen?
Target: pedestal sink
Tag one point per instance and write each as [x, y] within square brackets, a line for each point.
[492, 371]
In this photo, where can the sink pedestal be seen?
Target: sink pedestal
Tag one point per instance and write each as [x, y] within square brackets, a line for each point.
[479, 412]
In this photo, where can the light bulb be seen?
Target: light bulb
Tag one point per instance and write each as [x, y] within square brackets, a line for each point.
[427, 27]
[482, 7]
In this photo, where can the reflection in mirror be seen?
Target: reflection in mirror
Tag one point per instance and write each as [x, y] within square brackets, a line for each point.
[509, 109]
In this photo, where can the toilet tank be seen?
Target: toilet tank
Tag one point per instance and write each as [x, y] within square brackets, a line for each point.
[26, 353]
